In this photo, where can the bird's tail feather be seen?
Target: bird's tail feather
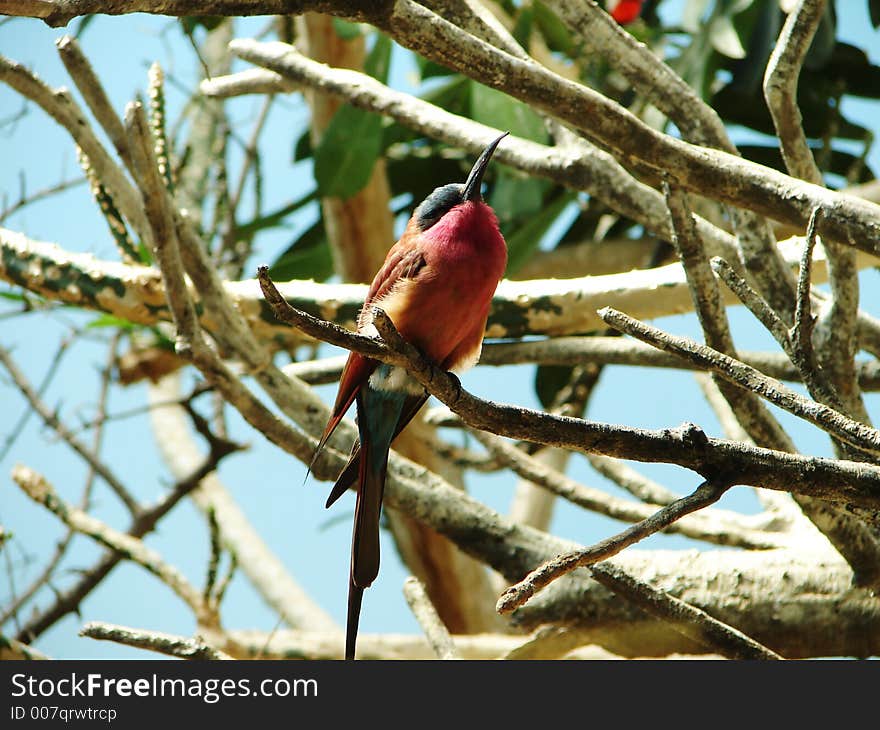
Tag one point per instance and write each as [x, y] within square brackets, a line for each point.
[378, 414]
[355, 594]
[349, 475]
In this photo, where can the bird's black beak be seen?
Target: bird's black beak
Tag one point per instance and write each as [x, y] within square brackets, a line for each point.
[475, 179]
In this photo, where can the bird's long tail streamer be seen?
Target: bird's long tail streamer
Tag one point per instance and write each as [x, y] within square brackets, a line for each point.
[378, 414]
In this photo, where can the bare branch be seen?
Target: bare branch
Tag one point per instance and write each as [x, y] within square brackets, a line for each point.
[426, 614]
[52, 421]
[715, 528]
[59, 104]
[178, 646]
[691, 621]
[249, 81]
[836, 423]
[763, 428]
[38, 489]
[780, 87]
[687, 446]
[516, 595]
[93, 92]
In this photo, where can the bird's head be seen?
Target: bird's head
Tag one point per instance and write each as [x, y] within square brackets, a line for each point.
[447, 197]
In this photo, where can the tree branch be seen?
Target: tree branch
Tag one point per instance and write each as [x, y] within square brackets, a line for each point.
[177, 646]
[38, 489]
[687, 446]
[689, 620]
[516, 595]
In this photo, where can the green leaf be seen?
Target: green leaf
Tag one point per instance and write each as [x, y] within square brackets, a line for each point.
[418, 175]
[352, 142]
[346, 30]
[270, 220]
[514, 197]
[302, 149]
[552, 28]
[13, 296]
[522, 28]
[523, 242]
[378, 61]
[348, 150]
[308, 257]
[724, 39]
[497, 109]
[874, 10]
[549, 380]
[109, 320]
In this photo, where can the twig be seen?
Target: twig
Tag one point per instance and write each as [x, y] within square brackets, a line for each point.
[61, 548]
[764, 429]
[683, 617]
[47, 192]
[463, 458]
[632, 481]
[156, 91]
[214, 559]
[516, 595]
[93, 92]
[781, 511]
[801, 333]
[265, 571]
[179, 646]
[780, 87]
[161, 220]
[426, 614]
[54, 364]
[328, 645]
[52, 421]
[722, 530]
[687, 446]
[734, 371]
[38, 489]
[69, 600]
[59, 104]
[621, 351]
[780, 91]
[190, 342]
[249, 81]
[16, 650]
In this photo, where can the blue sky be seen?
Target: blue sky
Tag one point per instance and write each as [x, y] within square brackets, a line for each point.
[312, 542]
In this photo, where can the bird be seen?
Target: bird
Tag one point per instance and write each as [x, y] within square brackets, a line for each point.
[436, 286]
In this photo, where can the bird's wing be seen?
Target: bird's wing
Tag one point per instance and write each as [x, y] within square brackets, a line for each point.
[404, 262]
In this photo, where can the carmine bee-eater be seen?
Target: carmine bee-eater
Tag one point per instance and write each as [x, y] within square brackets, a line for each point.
[436, 286]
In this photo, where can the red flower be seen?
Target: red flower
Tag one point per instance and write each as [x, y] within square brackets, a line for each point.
[625, 11]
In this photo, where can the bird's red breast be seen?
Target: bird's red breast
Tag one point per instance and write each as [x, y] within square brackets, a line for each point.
[442, 308]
